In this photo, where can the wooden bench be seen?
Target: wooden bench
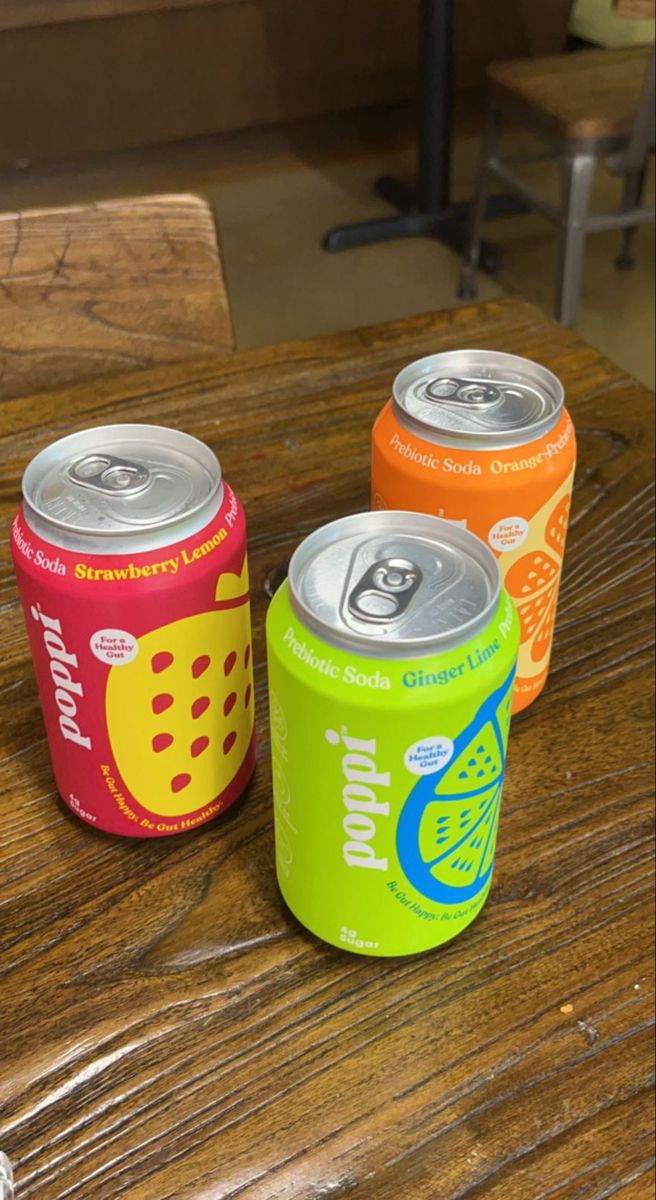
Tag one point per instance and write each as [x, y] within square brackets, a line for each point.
[20, 14]
[108, 288]
[156, 71]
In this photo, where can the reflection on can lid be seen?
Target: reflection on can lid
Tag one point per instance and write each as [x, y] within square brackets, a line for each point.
[478, 398]
[121, 481]
[394, 584]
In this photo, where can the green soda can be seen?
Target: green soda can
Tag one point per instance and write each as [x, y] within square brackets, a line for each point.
[392, 650]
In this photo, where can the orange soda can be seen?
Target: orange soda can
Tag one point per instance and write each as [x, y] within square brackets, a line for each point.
[484, 439]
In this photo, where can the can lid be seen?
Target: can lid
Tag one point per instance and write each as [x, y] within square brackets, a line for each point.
[121, 481]
[394, 584]
[478, 397]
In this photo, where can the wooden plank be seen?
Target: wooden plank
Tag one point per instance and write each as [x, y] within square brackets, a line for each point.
[227, 66]
[592, 94]
[163, 76]
[108, 288]
[544, 25]
[174, 1033]
[22, 14]
[636, 10]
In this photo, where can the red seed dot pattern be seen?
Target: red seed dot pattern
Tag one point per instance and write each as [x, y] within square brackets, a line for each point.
[159, 662]
[162, 741]
[163, 700]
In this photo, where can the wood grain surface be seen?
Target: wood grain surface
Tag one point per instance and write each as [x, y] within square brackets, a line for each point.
[108, 288]
[167, 70]
[591, 94]
[635, 10]
[17, 14]
[171, 1033]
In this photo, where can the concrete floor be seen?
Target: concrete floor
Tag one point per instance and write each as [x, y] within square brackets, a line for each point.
[276, 192]
[282, 284]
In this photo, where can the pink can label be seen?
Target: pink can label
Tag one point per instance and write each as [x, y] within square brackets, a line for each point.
[145, 674]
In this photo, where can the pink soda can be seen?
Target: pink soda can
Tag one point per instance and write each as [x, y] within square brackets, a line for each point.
[130, 555]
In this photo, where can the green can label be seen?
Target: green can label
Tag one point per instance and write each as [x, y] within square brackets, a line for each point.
[387, 778]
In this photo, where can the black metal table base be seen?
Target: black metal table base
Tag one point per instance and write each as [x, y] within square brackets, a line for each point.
[448, 226]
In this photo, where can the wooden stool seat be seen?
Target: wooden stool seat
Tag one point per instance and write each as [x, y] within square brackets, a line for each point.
[586, 96]
[586, 106]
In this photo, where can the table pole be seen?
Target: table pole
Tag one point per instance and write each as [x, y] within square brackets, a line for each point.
[426, 210]
[435, 105]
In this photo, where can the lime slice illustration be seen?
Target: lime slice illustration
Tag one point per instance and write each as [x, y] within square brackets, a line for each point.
[447, 829]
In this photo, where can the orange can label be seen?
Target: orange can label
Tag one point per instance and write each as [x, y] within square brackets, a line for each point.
[516, 500]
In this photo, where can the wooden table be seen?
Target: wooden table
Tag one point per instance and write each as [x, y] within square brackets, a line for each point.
[107, 288]
[171, 1032]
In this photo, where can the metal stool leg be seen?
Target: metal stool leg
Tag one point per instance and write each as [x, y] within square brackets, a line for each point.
[467, 289]
[631, 197]
[577, 174]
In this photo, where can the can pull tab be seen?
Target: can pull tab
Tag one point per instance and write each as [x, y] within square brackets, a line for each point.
[109, 475]
[474, 393]
[385, 590]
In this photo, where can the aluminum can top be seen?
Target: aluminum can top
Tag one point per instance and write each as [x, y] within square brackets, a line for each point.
[478, 398]
[394, 584]
[128, 483]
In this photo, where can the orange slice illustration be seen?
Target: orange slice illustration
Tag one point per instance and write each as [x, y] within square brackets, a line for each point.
[556, 530]
[533, 584]
[532, 578]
